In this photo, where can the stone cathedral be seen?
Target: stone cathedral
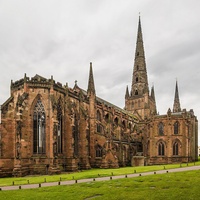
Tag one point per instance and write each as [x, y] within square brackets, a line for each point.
[49, 128]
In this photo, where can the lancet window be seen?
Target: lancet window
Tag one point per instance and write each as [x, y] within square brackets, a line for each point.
[98, 121]
[161, 149]
[60, 128]
[175, 149]
[76, 136]
[99, 151]
[161, 128]
[176, 128]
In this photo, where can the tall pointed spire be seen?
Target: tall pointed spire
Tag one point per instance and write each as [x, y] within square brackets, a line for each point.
[176, 106]
[153, 93]
[127, 93]
[91, 88]
[139, 100]
[139, 79]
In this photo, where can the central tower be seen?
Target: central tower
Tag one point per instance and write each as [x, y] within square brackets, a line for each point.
[138, 101]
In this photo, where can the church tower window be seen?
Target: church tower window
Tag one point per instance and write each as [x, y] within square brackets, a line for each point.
[39, 121]
[176, 128]
[161, 128]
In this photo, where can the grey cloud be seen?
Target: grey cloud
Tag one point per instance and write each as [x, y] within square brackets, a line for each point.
[60, 38]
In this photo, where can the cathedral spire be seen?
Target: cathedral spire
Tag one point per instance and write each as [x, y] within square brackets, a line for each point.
[139, 79]
[176, 106]
[153, 93]
[127, 93]
[91, 88]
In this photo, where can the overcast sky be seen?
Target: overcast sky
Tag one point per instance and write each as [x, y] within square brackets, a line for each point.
[61, 38]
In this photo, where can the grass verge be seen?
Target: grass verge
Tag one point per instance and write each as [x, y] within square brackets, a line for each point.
[93, 173]
[180, 185]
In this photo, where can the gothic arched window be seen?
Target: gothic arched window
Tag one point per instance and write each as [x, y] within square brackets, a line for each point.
[161, 149]
[116, 121]
[99, 151]
[161, 128]
[176, 128]
[136, 92]
[59, 129]
[175, 149]
[76, 135]
[98, 121]
[39, 119]
[107, 117]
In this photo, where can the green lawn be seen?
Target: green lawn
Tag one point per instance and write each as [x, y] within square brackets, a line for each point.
[93, 173]
[180, 185]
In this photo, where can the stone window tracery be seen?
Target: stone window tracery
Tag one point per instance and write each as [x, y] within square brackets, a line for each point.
[39, 121]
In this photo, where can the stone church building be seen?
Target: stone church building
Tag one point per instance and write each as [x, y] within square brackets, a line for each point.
[47, 127]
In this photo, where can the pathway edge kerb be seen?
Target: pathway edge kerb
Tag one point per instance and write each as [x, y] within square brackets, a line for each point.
[107, 178]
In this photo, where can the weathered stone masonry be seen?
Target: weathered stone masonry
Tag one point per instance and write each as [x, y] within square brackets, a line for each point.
[49, 128]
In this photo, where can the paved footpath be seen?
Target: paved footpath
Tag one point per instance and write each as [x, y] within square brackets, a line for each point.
[30, 186]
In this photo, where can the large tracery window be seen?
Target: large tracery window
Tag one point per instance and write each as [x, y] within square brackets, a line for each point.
[39, 119]
[161, 149]
[59, 133]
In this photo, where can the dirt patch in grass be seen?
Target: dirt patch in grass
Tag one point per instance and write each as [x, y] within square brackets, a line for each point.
[92, 197]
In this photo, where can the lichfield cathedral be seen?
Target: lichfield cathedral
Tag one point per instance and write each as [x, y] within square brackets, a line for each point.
[48, 128]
